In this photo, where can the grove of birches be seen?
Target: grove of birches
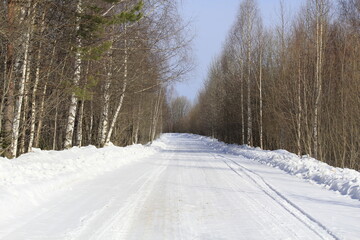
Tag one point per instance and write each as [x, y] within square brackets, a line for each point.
[81, 72]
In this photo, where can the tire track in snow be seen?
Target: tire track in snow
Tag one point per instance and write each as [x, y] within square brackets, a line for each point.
[118, 225]
[273, 220]
[115, 224]
[314, 225]
[91, 220]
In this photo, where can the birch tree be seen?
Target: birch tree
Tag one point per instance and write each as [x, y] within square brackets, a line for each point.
[122, 93]
[35, 86]
[321, 10]
[25, 12]
[307, 83]
[56, 92]
[248, 15]
[76, 79]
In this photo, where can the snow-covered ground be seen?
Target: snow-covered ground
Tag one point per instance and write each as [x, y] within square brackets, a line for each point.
[345, 181]
[182, 186]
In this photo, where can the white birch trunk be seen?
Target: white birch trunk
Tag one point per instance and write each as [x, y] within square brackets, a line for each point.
[105, 113]
[137, 127]
[25, 108]
[91, 124]
[151, 121]
[55, 122]
[79, 135]
[80, 124]
[114, 119]
[36, 83]
[249, 117]
[111, 129]
[156, 116]
[33, 103]
[41, 116]
[299, 115]
[261, 102]
[318, 77]
[242, 103]
[19, 100]
[77, 75]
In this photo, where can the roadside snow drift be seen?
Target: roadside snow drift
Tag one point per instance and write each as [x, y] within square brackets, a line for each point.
[345, 181]
[32, 177]
[182, 186]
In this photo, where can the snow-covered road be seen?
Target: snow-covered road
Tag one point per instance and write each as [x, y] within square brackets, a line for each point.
[189, 190]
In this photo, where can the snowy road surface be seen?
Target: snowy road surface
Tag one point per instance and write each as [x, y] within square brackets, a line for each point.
[188, 190]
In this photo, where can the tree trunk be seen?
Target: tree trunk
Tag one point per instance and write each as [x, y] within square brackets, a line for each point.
[42, 104]
[68, 142]
[137, 127]
[8, 111]
[91, 124]
[3, 98]
[41, 116]
[318, 77]
[249, 117]
[80, 123]
[156, 115]
[10, 83]
[34, 91]
[299, 113]
[307, 119]
[261, 102]
[26, 109]
[242, 103]
[79, 134]
[105, 111]
[114, 119]
[19, 100]
[55, 122]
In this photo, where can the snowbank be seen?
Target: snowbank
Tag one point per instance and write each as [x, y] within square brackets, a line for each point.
[34, 176]
[343, 180]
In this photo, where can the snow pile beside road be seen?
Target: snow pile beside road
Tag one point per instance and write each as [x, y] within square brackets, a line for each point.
[32, 177]
[160, 143]
[345, 181]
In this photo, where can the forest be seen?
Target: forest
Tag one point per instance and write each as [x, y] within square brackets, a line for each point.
[97, 72]
[97, 140]
[74, 73]
[295, 86]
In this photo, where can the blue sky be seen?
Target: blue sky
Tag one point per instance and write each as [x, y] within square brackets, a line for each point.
[211, 21]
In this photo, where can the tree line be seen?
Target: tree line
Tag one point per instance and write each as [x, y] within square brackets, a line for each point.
[82, 72]
[295, 86]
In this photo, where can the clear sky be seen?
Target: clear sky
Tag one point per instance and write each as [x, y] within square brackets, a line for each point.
[210, 23]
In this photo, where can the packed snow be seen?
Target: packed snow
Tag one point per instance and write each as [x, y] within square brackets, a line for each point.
[345, 181]
[182, 186]
[33, 177]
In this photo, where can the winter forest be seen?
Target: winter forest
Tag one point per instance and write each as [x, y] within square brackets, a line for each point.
[83, 72]
[294, 87]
